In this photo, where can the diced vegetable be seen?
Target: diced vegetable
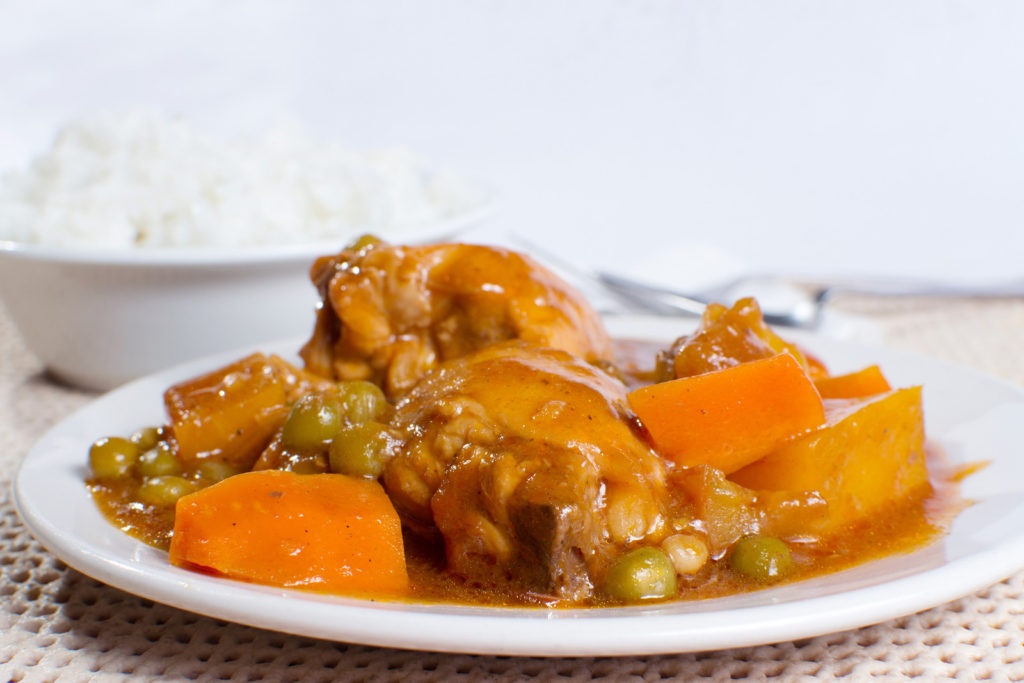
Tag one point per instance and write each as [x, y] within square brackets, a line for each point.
[213, 471]
[761, 558]
[360, 450]
[732, 417]
[313, 422]
[146, 438]
[641, 574]
[730, 511]
[866, 382]
[230, 413]
[326, 532]
[363, 400]
[688, 553]
[725, 507]
[867, 460]
[158, 461]
[112, 457]
[165, 489]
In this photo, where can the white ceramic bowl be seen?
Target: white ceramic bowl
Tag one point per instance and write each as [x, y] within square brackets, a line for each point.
[98, 318]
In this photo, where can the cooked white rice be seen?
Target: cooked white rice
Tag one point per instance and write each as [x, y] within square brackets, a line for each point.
[143, 180]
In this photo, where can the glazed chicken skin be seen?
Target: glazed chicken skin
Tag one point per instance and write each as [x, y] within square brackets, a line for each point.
[389, 314]
[530, 465]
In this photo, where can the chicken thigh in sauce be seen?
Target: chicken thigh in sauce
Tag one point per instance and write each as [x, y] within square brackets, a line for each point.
[392, 313]
[530, 465]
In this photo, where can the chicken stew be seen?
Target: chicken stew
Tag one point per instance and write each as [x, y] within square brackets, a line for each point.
[463, 429]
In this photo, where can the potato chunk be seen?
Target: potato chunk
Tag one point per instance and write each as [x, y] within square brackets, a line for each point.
[868, 458]
[231, 413]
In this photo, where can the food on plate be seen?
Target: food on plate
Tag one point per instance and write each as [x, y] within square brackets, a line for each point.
[868, 381]
[864, 441]
[464, 430]
[732, 417]
[527, 463]
[762, 558]
[229, 415]
[330, 532]
[139, 179]
[390, 314]
[726, 337]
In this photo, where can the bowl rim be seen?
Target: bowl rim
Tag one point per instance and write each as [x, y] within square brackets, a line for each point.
[232, 255]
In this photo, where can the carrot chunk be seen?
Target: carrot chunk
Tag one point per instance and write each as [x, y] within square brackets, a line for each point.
[325, 532]
[729, 418]
[867, 382]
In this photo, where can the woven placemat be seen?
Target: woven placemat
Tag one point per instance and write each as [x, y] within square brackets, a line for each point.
[56, 624]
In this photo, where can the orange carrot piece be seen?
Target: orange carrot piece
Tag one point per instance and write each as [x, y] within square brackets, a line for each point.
[867, 382]
[729, 418]
[325, 532]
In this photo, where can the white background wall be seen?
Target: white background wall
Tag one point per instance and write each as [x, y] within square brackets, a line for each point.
[811, 137]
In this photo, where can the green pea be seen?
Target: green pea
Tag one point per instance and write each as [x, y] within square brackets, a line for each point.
[313, 421]
[360, 449]
[216, 470]
[641, 574]
[165, 490]
[158, 461]
[146, 438]
[761, 558]
[363, 400]
[362, 242]
[112, 457]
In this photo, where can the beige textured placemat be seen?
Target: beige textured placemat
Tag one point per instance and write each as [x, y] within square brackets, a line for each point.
[56, 624]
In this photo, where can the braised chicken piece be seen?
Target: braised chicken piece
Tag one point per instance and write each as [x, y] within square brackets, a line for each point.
[389, 314]
[530, 465]
[727, 337]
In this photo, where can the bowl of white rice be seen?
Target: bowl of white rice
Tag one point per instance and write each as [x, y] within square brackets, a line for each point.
[137, 242]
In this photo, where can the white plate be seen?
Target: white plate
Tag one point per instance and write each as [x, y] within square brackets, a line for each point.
[972, 416]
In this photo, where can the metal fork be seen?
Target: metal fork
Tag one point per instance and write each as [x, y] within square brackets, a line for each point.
[659, 300]
[805, 313]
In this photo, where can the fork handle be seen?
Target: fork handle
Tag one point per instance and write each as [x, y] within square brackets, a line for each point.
[654, 299]
[667, 302]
